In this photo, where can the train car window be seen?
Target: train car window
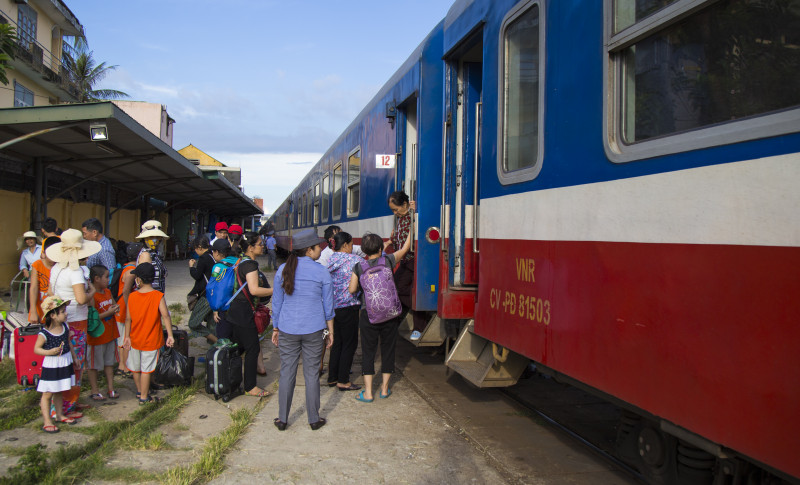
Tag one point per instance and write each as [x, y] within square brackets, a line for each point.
[628, 12]
[337, 190]
[316, 203]
[309, 207]
[520, 94]
[304, 209]
[325, 193]
[353, 181]
[689, 76]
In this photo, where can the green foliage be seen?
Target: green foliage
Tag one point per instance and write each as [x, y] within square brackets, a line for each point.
[31, 468]
[8, 37]
[84, 71]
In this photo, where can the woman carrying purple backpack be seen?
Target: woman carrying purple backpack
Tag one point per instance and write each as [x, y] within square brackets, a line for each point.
[380, 315]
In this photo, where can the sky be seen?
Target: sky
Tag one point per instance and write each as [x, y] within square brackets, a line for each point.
[263, 85]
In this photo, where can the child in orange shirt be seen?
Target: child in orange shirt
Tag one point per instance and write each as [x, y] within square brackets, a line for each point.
[40, 282]
[125, 280]
[147, 311]
[102, 350]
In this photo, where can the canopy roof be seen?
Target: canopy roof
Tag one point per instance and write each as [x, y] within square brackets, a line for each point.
[133, 158]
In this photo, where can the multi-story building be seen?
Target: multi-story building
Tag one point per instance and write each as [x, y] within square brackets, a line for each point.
[38, 77]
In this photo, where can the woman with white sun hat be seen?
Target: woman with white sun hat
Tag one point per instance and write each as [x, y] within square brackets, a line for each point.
[69, 281]
[151, 236]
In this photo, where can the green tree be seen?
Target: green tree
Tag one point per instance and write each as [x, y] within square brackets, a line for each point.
[86, 73]
[8, 38]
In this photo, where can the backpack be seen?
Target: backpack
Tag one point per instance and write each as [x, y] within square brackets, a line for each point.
[380, 293]
[219, 289]
[115, 280]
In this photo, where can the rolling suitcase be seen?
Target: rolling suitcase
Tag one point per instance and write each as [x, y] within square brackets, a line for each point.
[224, 372]
[28, 364]
[181, 340]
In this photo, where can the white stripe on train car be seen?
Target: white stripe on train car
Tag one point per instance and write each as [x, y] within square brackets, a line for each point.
[753, 202]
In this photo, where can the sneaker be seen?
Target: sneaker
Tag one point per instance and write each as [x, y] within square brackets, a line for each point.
[415, 335]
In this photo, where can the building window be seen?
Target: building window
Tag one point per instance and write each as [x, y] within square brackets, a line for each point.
[353, 181]
[325, 193]
[26, 25]
[691, 68]
[337, 190]
[521, 71]
[22, 95]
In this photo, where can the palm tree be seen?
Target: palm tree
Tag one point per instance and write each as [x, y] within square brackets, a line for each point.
[8, 38]
[84, 71]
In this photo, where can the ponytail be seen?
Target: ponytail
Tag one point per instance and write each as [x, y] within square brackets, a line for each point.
[289, 270]
[340, 239]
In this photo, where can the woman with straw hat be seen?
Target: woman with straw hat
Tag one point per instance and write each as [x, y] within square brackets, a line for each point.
[69, 282]
[32, 251]
[151, 236]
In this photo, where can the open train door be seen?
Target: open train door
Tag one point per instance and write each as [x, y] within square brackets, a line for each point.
[459, 260]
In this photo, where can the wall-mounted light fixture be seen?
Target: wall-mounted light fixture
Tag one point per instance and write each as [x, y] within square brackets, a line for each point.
[391, 112]
[98, 131]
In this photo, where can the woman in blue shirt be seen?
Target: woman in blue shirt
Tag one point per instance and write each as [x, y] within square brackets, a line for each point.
[302, 310]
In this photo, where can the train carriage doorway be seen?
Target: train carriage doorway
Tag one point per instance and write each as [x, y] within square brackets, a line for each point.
[407, 147]
[462, 157]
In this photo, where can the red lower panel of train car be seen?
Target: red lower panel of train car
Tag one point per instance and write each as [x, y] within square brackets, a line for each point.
[705, 336]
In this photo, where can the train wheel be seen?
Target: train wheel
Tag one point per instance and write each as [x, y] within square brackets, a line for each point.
[695, 466]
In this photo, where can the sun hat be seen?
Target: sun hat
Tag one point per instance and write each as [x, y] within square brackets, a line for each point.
[52, 303]
[235, 229]
[27, 235]
[221, 226]
[151, 228]
[72, 248]
[305, 239]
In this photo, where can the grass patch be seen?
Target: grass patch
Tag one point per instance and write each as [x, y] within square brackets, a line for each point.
[18, 409]
[212, 460]
[125, 475]
[177, 308]
[79, 463]
[8, 373]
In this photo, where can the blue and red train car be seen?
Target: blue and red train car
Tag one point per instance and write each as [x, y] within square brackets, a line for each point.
[616, 185]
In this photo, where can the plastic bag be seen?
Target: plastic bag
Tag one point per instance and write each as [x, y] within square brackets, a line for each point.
[172, 368]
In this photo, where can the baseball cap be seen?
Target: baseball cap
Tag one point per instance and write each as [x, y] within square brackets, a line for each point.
[221, 245]
[145, 271]
[221, 226]
[235, 229]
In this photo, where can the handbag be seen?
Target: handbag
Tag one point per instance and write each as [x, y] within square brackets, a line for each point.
[191, 301]
[261, 314]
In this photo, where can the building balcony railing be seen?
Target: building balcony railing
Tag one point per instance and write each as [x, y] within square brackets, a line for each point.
[39, 59]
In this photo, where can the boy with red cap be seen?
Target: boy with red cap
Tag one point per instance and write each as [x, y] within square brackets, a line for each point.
[220, 231]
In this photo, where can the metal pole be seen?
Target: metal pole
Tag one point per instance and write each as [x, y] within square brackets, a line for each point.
[38, 174]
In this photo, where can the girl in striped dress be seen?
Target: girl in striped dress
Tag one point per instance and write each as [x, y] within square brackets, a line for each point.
[58, 372]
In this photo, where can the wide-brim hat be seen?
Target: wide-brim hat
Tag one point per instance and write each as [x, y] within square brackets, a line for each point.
[27, 235]
[72, 248]
[305, 239]
[52, 303]
[151, 229]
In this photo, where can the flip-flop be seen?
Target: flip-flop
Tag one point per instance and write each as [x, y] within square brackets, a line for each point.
[68, 420]
[360, 397]
[74, 415]
[351, 387]
[97, 397]
[50, 429]
[113, 394]
[384, 396]
[259, 394]
[150, 399]
[80, 406]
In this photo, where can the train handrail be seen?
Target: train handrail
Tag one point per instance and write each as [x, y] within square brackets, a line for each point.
[475, 194]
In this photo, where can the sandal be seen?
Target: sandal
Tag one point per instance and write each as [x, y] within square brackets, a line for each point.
[351, 387]
[50, 429]
[97, 397]
[360, 397]
[258, 394]
[68, 420]
[279, 424]
[150, 399]
[384, 396]
[80, 406]
[74, 415]
[113, 394]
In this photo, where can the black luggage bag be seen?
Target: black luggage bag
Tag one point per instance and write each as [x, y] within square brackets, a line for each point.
[224, 372]
[181, 340]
